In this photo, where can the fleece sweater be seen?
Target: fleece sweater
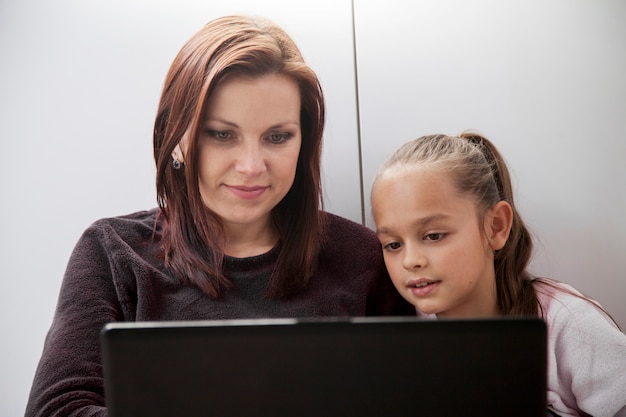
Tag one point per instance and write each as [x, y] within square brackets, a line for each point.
[116, 273]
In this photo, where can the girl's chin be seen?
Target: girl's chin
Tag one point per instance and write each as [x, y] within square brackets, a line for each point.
[428, 309]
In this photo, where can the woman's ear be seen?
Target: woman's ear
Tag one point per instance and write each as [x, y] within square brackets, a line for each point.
[500, 220]
[177, 153]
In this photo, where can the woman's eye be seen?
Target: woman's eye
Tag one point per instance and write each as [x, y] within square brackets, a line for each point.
[434, 236]
[278, 137]
[219, 134]
[222, 134]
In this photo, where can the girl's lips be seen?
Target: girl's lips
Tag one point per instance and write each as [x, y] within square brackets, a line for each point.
[247, 192]
[422, 287]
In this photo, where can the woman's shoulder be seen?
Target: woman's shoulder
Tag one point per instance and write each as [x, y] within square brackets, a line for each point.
[139, 225]
[341, 226]
[145, 218]
[345, 237]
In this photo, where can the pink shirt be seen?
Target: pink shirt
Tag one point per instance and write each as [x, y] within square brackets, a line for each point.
[586, 354]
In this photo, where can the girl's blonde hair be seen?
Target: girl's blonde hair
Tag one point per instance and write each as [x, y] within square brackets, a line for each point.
[478, 171]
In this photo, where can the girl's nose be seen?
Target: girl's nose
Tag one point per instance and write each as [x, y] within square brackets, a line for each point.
[413, 258]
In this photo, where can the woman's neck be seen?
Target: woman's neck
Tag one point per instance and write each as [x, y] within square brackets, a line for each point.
[243, 241]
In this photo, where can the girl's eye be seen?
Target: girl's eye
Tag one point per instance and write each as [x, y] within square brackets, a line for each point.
[434, 236]
[278, 137]
[392, 246]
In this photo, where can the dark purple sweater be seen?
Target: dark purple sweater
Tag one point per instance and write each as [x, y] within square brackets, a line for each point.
[115, 273]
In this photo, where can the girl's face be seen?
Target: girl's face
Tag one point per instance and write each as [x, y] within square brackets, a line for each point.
[437, 252]
[248, 147]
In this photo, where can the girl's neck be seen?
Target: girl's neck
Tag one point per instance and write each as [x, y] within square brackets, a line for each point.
[484, 304]
[482, 310]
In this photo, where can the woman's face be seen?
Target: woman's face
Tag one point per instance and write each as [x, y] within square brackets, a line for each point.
[249, 144]
[436, 250]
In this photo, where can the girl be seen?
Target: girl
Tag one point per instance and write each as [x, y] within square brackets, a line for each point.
[455, 246]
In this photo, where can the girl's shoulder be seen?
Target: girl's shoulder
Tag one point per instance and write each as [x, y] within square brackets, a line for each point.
[551, 290]
[555, 295]
[562, 304]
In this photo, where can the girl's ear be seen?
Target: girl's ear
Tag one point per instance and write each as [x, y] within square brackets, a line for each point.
[500, 219]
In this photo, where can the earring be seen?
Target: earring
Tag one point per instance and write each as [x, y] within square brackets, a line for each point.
[176, 164]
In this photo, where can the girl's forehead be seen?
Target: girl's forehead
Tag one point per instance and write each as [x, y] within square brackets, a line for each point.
[409, 182]
[410, 199]
[421, 187]
[414, 172]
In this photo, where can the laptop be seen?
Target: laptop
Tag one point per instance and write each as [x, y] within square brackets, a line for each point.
[400, 366]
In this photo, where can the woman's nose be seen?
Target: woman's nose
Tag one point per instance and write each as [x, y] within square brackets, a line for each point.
[250, 160]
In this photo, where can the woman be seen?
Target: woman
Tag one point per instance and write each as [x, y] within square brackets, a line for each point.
[238, 232]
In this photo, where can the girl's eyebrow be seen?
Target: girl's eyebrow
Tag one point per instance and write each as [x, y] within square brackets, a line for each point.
[429, 219]
[424, 221]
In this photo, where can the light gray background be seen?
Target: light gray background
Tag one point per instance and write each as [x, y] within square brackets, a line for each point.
[81, 81]
[546, 81]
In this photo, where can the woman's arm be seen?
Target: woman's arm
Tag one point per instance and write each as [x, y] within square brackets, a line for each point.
[69, 375]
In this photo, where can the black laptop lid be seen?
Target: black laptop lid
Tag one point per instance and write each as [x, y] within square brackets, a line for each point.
[344, 367]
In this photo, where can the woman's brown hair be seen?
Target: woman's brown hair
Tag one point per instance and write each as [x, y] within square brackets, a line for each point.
[193, 236]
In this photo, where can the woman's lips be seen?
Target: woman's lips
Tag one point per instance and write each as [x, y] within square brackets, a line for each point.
[247, 192]
[422, 287]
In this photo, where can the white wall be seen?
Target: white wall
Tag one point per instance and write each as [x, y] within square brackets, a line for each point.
[546, 81]
[78, 94]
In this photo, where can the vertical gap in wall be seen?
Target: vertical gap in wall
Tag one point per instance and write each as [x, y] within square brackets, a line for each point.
[358, 116]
